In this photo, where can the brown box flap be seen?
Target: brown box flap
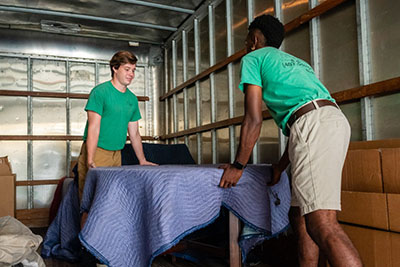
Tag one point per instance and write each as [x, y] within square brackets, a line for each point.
[391, 170]
[5, 167]
[364, 208]
[362, 171]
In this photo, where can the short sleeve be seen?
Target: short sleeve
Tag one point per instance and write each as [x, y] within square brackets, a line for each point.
[250, 72]
[95, 102]
[136, 111]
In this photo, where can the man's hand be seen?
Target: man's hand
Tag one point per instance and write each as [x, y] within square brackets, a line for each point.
[91, 164]
[276, 175]
[148, 163]
[230, 177]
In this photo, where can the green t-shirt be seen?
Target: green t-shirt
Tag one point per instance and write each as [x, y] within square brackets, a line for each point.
[287, 82]
[116, 109]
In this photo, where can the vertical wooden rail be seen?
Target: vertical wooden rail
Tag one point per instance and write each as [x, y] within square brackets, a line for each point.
[235, 258]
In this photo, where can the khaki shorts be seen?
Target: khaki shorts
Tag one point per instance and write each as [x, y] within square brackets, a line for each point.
[102, 158]
[318, 146]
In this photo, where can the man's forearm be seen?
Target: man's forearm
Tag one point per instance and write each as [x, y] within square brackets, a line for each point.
[252, 122]
[284, 160]
[249, 133]
[136, 142]
[94, 120]
[91, 145]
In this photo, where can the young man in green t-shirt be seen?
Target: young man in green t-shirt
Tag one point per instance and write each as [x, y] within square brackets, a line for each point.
[113, 111]
[318, 138]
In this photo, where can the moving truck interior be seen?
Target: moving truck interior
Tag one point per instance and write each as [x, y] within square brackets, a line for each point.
[53, 53]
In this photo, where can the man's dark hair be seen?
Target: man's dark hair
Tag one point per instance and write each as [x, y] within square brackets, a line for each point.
[271, 28]
[120, 58]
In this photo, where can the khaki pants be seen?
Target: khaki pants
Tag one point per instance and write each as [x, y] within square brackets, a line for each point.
[102, 158]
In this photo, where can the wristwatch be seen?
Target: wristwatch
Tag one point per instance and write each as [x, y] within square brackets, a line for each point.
[237, 165]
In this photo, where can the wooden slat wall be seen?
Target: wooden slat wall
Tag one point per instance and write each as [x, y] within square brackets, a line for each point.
[34, 217]
[238, 55]
[351, 95]
[54, 94]
[56, 137]
[374, 89]
[37, 182]
[215, 125]
[294, 24]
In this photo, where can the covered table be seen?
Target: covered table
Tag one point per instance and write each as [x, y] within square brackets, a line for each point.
[138, 212]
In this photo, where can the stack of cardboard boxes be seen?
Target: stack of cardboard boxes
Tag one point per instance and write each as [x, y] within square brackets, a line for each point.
[371, 204]
[7, 189]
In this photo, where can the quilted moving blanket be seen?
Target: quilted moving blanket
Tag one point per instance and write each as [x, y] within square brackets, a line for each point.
[61, 240]
[138, 212]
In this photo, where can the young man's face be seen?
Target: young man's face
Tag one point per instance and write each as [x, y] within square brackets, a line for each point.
[125, 73]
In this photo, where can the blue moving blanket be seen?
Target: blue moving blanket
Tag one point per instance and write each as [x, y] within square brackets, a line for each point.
[61, 240]
[138, 212]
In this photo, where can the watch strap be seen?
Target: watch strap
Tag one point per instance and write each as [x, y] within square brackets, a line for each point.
[237, 165]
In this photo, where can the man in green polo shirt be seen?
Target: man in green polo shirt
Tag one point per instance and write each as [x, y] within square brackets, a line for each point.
[318, 134]
[113, 111]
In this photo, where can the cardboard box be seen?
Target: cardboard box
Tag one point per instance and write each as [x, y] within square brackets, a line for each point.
[365, 208]
[362, 171]
[391, 170]
[7, 189]
[375, 144]
[7, 195]
[395, 239]
[374, 246]
[394, 212]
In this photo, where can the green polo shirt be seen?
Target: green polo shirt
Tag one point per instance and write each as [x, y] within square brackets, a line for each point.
[116, 109]
[286, 81]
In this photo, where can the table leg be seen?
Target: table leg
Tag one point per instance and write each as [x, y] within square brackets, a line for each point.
[234, 250]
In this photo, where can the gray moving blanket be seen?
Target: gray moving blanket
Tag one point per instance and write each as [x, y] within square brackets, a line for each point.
[138, 212]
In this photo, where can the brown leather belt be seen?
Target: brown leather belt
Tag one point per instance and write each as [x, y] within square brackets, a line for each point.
[307, 108]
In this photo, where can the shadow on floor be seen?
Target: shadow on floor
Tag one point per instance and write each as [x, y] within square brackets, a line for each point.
[277, 252]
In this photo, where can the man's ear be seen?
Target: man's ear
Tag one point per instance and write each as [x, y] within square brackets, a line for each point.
[259, 40]
[254, 40]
